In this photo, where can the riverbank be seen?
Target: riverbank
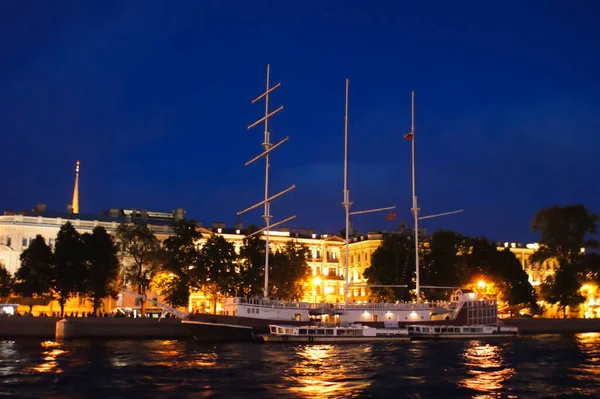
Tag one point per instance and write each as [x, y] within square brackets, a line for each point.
[52, 328]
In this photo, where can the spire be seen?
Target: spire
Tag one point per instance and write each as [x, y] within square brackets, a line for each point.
[75, 202]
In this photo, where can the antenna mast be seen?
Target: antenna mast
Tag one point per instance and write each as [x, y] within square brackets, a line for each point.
[267, 147]
[346, 203]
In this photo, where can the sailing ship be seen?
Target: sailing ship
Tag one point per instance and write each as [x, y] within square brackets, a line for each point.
[244, 319]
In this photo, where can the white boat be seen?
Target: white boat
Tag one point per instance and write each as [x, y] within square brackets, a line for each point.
[423, 331]
[334, 334]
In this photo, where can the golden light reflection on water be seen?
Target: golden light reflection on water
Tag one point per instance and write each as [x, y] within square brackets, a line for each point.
[589, 345]
[321, 372]
[51, 353]
[485, 368]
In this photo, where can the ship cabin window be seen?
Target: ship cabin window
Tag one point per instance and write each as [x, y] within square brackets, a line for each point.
[436, 330]
[312, 332]
[329, 332]
[426, 329]
[303, 331]
[320, 332]
[248, 309]
[297, 318]
[273, 329]
[288, 331]
[280, 330]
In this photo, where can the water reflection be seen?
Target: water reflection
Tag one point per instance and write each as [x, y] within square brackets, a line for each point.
[329, 370]
[589, 345]
[52, 350]
[486, 371]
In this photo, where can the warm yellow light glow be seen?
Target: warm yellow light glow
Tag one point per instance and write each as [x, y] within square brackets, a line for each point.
[481, 284]
[316, 281]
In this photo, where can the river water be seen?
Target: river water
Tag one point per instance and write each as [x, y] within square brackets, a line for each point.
[543, 366]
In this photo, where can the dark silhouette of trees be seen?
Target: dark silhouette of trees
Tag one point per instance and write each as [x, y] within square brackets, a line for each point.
[563, 232]
[215, 273]
[69, 271]
[289, 271]
[252, 265]
[34, 278]
[182, 256]
[6, 284]
[141, 257]
[102, 266]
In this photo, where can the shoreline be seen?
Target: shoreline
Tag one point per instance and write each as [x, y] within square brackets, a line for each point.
[55, 328]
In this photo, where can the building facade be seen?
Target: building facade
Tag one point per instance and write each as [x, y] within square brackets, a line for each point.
[326, 252]
[19, 228]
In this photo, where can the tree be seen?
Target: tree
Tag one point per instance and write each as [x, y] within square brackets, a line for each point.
[69, 277]
[102, 266]
[6, 283]
[216, 270]
[289, 271]
[182, 253]
[142, 257]
[564, 231]
[252, 264]
[34, 277]
[441, 263]
[500, 270]
[392, 264]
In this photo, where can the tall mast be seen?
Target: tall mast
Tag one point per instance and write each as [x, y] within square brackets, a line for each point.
[415, 208]
[267, 147]
[75, 202]
[346, 203]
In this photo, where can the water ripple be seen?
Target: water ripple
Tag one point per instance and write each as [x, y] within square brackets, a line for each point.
[532, 367]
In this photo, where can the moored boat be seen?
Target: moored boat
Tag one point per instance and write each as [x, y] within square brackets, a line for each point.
[334, 334]
[423, 331]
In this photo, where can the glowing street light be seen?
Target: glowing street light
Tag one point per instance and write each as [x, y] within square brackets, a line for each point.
[481, 284]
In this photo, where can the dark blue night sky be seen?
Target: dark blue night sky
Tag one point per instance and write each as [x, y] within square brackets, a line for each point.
[154, 98]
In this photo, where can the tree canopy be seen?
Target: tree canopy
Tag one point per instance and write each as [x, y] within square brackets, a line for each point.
[69, 272]
[289, 271]
[6, 283]
[34, 278]
[142, 257]
[102, 266]
[182, 255]
[564, 231]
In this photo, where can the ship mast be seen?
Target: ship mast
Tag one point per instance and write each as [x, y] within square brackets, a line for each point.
[415, 208]
[346, 202]
[267, 147]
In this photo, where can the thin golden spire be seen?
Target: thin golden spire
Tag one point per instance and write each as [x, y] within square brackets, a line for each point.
[75, 202]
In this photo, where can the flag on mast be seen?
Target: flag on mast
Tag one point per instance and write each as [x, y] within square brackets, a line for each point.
[390, 216]
[409, 136]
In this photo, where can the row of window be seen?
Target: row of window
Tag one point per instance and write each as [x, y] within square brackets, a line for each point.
[25, 241]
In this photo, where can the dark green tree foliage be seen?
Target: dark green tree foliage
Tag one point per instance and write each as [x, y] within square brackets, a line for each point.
[589, 267]
[483, 260]
[252, 265]
[288, 271]
[564, 231]
[142, 257]
[392, 264]
[216, 271]
[514, 281]
[6, 283]
[35, 276]
[69, 265]
[182, 257]
[102, 266]
[441, 264]
[562, 288]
